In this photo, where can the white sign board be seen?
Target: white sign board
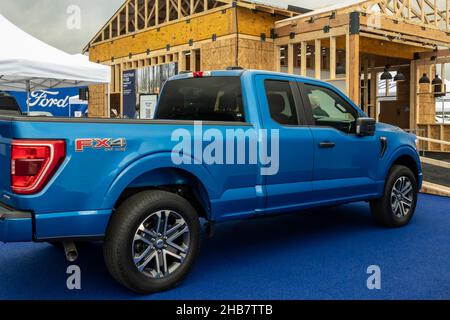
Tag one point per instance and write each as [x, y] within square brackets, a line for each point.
[147, 103]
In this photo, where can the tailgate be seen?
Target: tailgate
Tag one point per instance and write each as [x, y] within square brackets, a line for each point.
[5, 158]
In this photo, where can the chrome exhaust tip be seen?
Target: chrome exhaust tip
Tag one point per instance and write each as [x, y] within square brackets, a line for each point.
[71, 251]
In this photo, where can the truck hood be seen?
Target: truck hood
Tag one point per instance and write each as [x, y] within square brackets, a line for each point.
[388, 128]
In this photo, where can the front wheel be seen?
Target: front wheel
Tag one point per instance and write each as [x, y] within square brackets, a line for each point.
[152, 241]
[398, 204]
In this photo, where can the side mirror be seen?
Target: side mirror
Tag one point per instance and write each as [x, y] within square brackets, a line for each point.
[365, 127]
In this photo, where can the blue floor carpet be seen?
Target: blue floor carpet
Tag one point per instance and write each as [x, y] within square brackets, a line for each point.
[317, 254]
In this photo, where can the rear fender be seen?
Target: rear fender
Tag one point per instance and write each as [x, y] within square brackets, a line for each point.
[140, 170]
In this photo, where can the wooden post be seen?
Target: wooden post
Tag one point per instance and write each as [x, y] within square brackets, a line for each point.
[193, 60]
[127, 22]
[409, 10]
[373, 89]
[303, 59]
[353, 76]
[317, 58]
[156, 12]
[180, 12]
[446, 15]
[422, 10]
[366, 84]
[146, 14]
[192, 7]
[332, 58]
[136, 5]
[277, 62]
[167, 10]
[290, 58]
[435, 13]
[443, 78]
[205, 5]
[412, 96]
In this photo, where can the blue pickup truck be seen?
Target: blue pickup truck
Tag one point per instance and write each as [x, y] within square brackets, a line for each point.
[223, 145]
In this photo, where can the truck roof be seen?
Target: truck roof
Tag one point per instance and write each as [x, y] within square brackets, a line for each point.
[238, 73]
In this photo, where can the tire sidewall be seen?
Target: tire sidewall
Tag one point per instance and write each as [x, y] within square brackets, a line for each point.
[396, 173]
[142, 208]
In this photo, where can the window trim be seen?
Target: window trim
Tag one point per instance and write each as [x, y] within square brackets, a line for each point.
[298, 103]
[308, 109]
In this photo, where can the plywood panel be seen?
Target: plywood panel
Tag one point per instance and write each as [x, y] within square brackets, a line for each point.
[179, 33]
[255, 23]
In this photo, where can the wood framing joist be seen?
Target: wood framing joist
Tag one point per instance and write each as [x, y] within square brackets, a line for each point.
[421, 21]
[136, 16]
[385, 26]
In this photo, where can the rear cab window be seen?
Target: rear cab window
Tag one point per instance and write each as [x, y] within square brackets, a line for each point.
[203, 99]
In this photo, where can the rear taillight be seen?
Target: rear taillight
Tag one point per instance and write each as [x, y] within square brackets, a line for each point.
[34, 162]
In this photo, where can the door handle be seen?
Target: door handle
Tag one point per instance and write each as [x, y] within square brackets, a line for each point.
[327, 145]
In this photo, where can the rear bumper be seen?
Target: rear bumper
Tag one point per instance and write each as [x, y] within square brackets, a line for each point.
[15, 226]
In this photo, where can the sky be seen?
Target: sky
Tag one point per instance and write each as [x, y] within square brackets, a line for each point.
[56, 21]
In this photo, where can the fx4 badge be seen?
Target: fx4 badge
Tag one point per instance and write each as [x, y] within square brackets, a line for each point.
[106, 144]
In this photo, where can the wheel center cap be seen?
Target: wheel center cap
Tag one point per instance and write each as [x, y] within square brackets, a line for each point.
[159, 244]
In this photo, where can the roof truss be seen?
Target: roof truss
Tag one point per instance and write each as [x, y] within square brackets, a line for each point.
[136, 15]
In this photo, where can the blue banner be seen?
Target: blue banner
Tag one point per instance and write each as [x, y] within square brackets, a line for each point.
[129, 94]
[62, 102]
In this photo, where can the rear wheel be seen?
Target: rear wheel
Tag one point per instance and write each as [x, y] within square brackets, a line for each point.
[152, 241]
[398, 204]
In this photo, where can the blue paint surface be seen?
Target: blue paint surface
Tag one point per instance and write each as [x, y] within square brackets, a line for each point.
[316, 254]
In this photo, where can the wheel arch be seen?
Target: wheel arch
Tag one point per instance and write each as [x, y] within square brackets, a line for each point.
[193, 182]
[406, 157]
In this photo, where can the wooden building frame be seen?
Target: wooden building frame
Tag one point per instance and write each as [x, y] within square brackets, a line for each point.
[157, 13]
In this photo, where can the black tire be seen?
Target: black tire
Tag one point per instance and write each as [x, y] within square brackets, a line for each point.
[119, 246]
[383, 208]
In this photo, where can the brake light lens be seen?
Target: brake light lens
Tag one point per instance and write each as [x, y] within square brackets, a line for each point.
[33, 163]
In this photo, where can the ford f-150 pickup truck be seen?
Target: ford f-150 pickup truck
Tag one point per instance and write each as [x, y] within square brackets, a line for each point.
[223, 145]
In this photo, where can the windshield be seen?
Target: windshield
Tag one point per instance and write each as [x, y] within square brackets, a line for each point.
[204, 99]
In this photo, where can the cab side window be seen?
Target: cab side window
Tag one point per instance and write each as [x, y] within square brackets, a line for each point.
[329, 109]
[281, 102]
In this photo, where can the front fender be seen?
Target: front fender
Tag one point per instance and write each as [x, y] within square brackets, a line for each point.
[404, 150]
[154, 162]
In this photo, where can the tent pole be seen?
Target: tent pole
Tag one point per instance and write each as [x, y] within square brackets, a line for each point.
[28, 96]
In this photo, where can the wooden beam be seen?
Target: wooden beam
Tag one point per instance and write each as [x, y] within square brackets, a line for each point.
[353, 77]
[192, 7]
[167, 10]
[366, 84]
[332, 58]
[126, 18]
[193, 61]
[180, 12]
[317, 58]
[290, 58]
[412, 96]
[303, 58]
[136, 15]
[146, 13]
[156, 12]
[373, 89]
[277, 62]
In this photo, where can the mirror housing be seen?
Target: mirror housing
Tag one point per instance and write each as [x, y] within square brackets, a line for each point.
[365, 127]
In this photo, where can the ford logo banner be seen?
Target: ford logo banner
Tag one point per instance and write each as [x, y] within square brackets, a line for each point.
[61, 102]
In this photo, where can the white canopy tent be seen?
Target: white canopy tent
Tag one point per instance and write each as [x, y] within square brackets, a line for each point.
[28, 64]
